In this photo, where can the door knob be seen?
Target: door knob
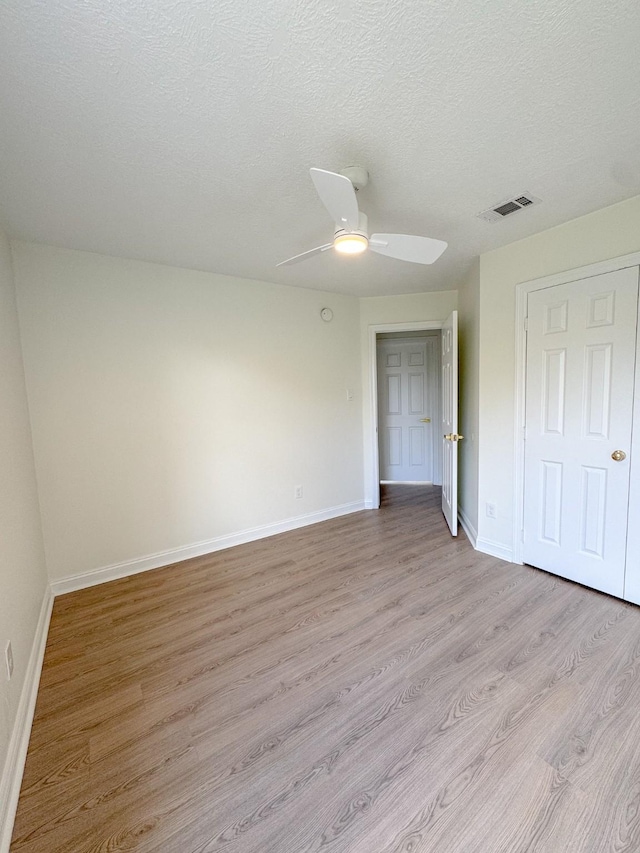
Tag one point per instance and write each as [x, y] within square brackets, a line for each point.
[425, 420]
[618, 455]
[452, 436]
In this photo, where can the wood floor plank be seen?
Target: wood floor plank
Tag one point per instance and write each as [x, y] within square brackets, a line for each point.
[408, 763]
[368, 683]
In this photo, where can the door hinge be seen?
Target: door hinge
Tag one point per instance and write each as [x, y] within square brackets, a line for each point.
[526, 324]
[522, 535]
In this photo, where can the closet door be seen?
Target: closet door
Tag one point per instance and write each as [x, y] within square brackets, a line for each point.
[581, 346]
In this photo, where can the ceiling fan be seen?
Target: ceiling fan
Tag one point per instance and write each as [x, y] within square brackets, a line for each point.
[338, 194]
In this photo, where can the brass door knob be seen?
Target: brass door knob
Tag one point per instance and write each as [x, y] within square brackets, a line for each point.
[618, 455]
[425, 420]
[452, 436]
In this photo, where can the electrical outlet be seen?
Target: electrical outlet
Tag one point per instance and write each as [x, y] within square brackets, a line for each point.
[350, 394]
[297, 492]
[8, 658]
[491, 510]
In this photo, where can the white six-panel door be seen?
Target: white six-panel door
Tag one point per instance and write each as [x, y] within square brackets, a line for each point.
[405, 409]
[581, 345]
[449, 423]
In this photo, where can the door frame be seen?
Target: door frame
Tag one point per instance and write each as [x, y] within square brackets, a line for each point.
[522, 291]
[373, 500]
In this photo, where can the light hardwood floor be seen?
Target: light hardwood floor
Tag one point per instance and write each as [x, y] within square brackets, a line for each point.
[365, 685]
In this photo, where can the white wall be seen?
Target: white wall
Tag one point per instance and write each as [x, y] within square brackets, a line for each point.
[605, 234]
[172, 407]
[22, 569]
[379, 310]
[469, 351]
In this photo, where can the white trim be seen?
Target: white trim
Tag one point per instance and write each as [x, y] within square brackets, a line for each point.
[372, 499]
[11, 778]
[198, 549]
[522, 291]
[632, 562]
[518, 450]
[416, 326]
[495, 549]
[598, 268]
[469, 529]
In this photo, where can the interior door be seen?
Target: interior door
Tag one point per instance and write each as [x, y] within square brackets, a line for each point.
[449, 424]
[405, 409]
[581, 344]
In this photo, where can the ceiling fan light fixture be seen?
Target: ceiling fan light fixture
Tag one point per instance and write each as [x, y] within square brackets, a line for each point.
[351, 244]
[351, 232]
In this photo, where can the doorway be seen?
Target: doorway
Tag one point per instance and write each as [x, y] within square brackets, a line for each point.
[372, 494]
[408, 392]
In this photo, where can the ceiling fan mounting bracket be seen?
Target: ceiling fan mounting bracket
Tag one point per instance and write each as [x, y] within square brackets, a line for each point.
[358, 176]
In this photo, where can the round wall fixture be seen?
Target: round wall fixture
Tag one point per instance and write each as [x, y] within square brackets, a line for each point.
[327, 315]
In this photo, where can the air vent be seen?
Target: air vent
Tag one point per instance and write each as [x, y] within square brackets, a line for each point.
[508, 206]
[506, 209]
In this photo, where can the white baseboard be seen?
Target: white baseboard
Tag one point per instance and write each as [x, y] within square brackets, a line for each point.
[495, 549]
[176, 555]
[469, 529]
[11, 778]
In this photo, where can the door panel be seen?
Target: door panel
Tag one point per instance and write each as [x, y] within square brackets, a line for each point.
[554, 383]
[393, 394]
[581, 344]
[417, 383]
[450, 422]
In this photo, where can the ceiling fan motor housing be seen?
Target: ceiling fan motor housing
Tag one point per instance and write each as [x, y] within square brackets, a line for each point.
[362, 229]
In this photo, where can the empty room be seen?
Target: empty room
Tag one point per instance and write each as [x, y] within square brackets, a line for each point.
[319, 426]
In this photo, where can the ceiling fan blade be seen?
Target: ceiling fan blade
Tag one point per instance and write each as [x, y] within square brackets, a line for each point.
[338, 196]
[297, 258]
[405, 247]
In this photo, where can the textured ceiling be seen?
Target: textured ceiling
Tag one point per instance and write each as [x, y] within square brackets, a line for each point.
[182, 131]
